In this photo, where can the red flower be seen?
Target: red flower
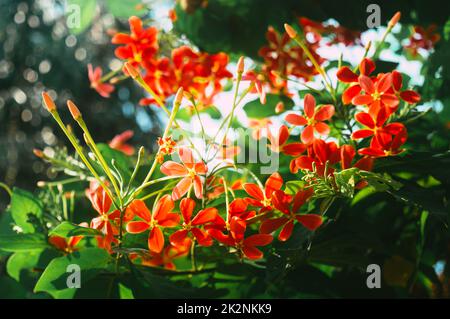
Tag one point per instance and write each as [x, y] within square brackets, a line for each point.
[409, 96]
[263, 197]
[319, 153]
[140, 45]
[166, 147]
[376, 94]
[278, 143]
[386, 144]
[313, 119]
[257, 81]
[189, 171]
[119, 142]
[66, 245]
[160, 218]
[164, 258]
[422, 38]
[375, 128]
[245, 246]
[190, 225]
[95, 77]
[106, 222]
[346, 75]
[282, 203]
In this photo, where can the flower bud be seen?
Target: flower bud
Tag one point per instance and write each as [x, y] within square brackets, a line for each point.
[240, 65]
[131, 70]
[73, 110]
[394, 20]
[290, 31]
[48, 102]
[38, 153]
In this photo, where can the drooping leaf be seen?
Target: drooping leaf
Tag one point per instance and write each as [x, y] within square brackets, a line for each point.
[67, 229]
[22, 204]
[23, 242]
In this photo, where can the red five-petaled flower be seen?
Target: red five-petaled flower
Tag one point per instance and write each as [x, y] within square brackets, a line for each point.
[282, 203]
[191, 225]
[346, 75]
[278, 143]
[263, 197]
[189, 171]
[375, 127]
[160, 218]
[235, 238]
[95, 77]
[313, 119]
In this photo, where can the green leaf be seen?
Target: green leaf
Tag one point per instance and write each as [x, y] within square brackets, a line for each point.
[22, 261]
[125, 9]
[292, 187]
[67, 229]
[345, 181]
[54, 278]
[254, 109]
[79, 14]
[22, 204]
[23, 242]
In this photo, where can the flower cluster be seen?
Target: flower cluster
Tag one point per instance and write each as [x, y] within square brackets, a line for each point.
[198, 73]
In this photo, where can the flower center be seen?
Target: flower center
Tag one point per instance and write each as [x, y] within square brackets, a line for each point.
[266, 202]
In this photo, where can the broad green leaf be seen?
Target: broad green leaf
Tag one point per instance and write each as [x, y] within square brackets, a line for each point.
[125, 9]
[22, 204]
[23, 242]
[292, 187]
[22, 261]
[79, 14]
[254, 109]
[54, 278]
[125, 292]
[67, 229]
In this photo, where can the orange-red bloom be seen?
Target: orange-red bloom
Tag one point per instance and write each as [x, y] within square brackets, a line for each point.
[313, 119]
[245, 246]
[161, 217]
[119, 142]
[282, 203]
[278, 143]
[263, 197]
[164, 258]
[95, 77]
[67, 245]
[190, 172]
[191, 225]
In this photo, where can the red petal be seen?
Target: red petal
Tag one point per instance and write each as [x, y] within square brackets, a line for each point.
[309, 105]
[308, 135]
[286, 232]
[137, 227]
[205, 216]
[171, 220]
[365, 119]
[254, 191]
[310, 221]
[385, 83]
[350, 93]
[270, 225]
[178, 238]
[187, 206]
[138, 208]
[344, 74]
[258, 240]
[322, 128]
[295, 119]
[252, 253]
[390, 100]
[347, 155]
[273, 183]
[366, 66]
[325, 113]
[300, 198]
[362, 100]
[198, 187]
[361, 134]
[186, 155]
[366, 84]
[294, 149]
[163, 207]
[202, 237]
[181, 188]
[156, 240]
[237, 228]
[171, 168]
[238, 206]
[304, 162]
[410, 96]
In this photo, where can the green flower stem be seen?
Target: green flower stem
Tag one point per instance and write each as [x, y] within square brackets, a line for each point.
[79, 150]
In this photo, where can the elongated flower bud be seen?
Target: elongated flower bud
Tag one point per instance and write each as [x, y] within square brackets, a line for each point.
[38, 153]
[73, 110]
[240, 65]
[394, 20]
[290, 31]
[178, 96]
[131, 70]
[48, 102]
